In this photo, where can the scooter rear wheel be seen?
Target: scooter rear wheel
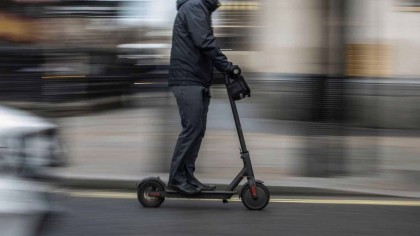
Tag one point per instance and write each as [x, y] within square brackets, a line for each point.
[143, 194]
[255, 203]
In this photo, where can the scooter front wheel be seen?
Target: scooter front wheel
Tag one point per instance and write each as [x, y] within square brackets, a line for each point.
[259, 203]
[143, 194]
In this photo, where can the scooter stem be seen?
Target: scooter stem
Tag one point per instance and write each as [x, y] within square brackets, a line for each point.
[236, 118]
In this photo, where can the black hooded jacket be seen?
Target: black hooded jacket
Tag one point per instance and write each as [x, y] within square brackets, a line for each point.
[194, 50]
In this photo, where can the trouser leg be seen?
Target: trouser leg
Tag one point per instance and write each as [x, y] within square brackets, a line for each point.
[190, 167]
[190, 105]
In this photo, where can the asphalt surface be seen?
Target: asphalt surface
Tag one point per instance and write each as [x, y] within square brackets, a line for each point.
[115, 213]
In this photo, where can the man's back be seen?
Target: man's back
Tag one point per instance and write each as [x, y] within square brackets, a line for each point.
[194, 49]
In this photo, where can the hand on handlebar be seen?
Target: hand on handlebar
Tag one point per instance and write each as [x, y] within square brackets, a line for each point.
[234, 71]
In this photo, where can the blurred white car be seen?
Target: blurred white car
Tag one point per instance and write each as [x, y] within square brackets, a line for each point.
[28, 142]
[24, 208]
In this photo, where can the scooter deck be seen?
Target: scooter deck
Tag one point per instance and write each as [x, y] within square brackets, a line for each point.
[217, 194]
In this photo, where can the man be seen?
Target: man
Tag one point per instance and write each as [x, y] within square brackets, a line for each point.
[194, 55]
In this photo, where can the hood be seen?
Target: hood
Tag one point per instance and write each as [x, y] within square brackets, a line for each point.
[17, 122]
[212, 5]
[179, 3]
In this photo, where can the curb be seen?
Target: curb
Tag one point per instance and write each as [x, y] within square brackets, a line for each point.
[131, 185]
[68, 108]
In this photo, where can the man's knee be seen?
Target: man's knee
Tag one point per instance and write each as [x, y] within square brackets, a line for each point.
[194, 130]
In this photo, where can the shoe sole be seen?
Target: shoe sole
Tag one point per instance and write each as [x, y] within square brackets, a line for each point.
[186, 193]
[182, 192]
[209, 189]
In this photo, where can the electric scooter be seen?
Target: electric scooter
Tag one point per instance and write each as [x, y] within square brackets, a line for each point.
[152, 192]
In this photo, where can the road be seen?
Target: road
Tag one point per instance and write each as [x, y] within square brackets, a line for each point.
[119, 214]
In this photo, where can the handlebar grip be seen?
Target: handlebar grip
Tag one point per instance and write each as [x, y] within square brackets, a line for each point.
[236, 71]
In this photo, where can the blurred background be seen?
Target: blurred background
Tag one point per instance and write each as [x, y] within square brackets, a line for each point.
[335, 90]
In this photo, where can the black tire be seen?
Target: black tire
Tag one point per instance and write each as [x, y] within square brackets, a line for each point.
[255, 204]
[145, 199]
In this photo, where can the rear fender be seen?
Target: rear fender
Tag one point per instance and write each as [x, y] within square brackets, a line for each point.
[155, 179]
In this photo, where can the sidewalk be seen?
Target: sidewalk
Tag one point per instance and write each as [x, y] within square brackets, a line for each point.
[116, 149]
[344, 186]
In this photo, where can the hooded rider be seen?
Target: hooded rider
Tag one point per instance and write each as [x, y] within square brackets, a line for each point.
[194, 55]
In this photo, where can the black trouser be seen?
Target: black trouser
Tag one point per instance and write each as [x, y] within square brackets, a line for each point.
[193, 105]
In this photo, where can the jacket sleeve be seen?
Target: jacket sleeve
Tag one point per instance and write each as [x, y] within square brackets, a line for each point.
[202, 36]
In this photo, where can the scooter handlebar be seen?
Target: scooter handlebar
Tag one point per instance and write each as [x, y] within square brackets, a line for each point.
[236, 72]
[237, 87]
